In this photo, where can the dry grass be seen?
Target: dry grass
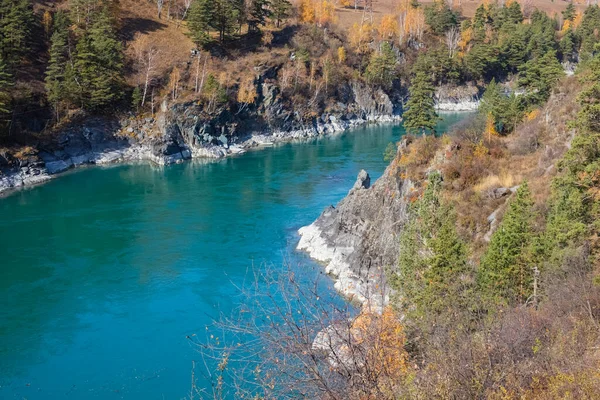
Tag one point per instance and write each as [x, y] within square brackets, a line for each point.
[503, 179]
[346, 17]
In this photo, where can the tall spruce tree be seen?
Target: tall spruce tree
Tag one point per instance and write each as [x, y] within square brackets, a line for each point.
[504, 272]
[5, 83]
[420, 115]
[539, 76]
[199, 21]
[430, 278]
[280, 10]
[382, 66]
[16, 23]
[257, 14]
[225, 16]
[108, 58]
[58, 88]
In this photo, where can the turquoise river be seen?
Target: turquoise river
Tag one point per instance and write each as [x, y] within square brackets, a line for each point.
[105, 271]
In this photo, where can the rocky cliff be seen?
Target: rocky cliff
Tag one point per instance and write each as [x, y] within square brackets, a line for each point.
[187, 130]
[358, 238]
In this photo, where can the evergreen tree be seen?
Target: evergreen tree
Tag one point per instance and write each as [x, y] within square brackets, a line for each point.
[224, 18]
[504, 110]
[258, 13]
[57, 67]
[108, 58]
[136, 98]
[382, 66]
[568, 46]
[504, 272]
[420, 116]
[569, 13]
[5, 84]
[482, 62]
[16, 23]
[539, 76]
[430, 278]
[199, 21]
[588, 31]
[440, 17]
[280, 10]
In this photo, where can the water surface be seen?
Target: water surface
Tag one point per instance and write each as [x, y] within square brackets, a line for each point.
[105, 271]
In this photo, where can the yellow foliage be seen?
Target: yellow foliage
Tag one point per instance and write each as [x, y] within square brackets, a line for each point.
[480, 150]
[490, 127]
[345, 3]
[566, 27]
[247, 92]
[465, 39]
[47, 22]
[341, 54]
[388, 28]
[360, 37]
[533, 115]
[383, 338]
[320, 12]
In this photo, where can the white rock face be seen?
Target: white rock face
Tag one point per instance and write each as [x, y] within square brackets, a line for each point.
[358, 238]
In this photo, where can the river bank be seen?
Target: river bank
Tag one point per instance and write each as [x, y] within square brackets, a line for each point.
[92, 145]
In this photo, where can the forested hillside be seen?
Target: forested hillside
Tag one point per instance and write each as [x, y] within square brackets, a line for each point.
[65, 59]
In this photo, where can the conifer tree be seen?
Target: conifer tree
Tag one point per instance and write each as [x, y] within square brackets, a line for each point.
[504, 272]
[420, 115]
[539, 76]
[281, 10]
[588, 31]
[225, 17]
[16, 23]
[56, 71]
[382, 66]
[199, 21]
[5, 84]
[569, 12]
[258, 13]
[108, 59]
[433, 259]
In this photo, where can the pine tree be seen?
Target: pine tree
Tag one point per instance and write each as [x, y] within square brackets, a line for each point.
[504, 272]
[226, 14]
[258, 13]
[16, 23]
[136, 98]
[56, 71]
[430, 278]
[281, 10]
[569, 13]
[199, 21]
[382, 66]
[420, 116]
[588, 31]
[5, 84]
[539, 76]
[108, 59]
[505, 111]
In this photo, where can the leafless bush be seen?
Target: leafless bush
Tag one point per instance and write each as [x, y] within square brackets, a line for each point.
[291, 339]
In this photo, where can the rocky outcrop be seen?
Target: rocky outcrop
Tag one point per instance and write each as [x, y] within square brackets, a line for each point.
[188, 130]
[457, 98]
[358, 238]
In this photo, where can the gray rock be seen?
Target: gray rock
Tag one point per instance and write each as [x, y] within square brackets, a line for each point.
[500, 192]
[56, 167]
[363, 181]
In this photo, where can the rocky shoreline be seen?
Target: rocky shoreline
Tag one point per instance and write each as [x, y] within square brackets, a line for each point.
[102, 143]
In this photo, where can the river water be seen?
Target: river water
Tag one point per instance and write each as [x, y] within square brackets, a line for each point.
[105, 271]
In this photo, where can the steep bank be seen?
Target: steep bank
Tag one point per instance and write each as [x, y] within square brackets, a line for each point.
[185, 131]
[358, 238]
